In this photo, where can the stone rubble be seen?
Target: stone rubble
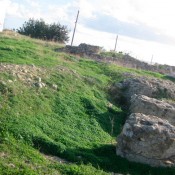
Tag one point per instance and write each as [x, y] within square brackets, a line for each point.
[30, 75]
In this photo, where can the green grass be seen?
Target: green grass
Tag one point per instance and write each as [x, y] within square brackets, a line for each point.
[113, 54]
[27, 51]
[72, 122]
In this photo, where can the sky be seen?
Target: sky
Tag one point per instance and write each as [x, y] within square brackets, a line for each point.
[145, 29]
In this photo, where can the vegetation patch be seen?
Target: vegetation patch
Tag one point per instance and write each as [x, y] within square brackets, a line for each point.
[77, 120]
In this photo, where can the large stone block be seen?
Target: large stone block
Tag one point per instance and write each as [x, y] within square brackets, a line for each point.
[147, 139]
[152, 106]
[150, 87]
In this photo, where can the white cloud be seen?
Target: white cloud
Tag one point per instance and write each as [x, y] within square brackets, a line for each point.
[33, 3]
[86, 7]
[34, 9]
[157, 14]
[57, 13]
[17, 10]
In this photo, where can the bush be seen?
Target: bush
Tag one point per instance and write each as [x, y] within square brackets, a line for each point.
[39, 29]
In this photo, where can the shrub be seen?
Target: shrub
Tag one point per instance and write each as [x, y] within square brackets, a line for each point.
[39, 29]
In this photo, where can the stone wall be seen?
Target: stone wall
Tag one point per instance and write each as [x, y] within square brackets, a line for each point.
[127, 61]
[135, 63]
[83, 49]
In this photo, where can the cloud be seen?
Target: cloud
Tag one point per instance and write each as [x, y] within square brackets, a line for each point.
[153, 19]
[137, 30]
[17, 10]
[64, 11]
[33, 3]
[87, 8]
[37, 9]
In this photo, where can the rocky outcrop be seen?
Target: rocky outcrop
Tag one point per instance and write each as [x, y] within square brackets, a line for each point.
[148, 135]
[147, 139]
[150, 87]
[152, 106]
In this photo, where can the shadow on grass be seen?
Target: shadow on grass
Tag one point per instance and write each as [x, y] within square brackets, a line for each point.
[102, 157]
[105, 158]
[111, 121]
[169, 77]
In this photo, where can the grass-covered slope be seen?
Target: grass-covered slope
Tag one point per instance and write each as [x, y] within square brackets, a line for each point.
[68, 117]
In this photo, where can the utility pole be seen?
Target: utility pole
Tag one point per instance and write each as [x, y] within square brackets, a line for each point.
[151, 59]
[116, 43]
[74, 28]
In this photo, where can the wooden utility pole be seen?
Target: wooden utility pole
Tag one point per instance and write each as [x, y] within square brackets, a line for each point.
[74, 28]
[152, 60]
[116, 43]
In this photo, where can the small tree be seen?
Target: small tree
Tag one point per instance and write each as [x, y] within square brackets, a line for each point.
[39, 29]
[57, 32]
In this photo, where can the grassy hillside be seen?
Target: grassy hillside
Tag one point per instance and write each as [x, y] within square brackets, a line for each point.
[56, 104]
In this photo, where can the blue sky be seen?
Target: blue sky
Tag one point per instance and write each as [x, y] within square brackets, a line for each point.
[145, 28]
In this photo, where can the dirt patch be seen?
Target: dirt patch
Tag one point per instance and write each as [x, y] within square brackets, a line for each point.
[56, 159]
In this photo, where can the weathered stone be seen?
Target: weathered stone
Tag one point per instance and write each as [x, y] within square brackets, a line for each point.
[24, 72]
[11, 165]
[88, 49]
[147, 139]
[40, 84]
[54, 86]
[10, 81]
[39, 79]
[145, 86]
[82, 49]
[152, 106]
